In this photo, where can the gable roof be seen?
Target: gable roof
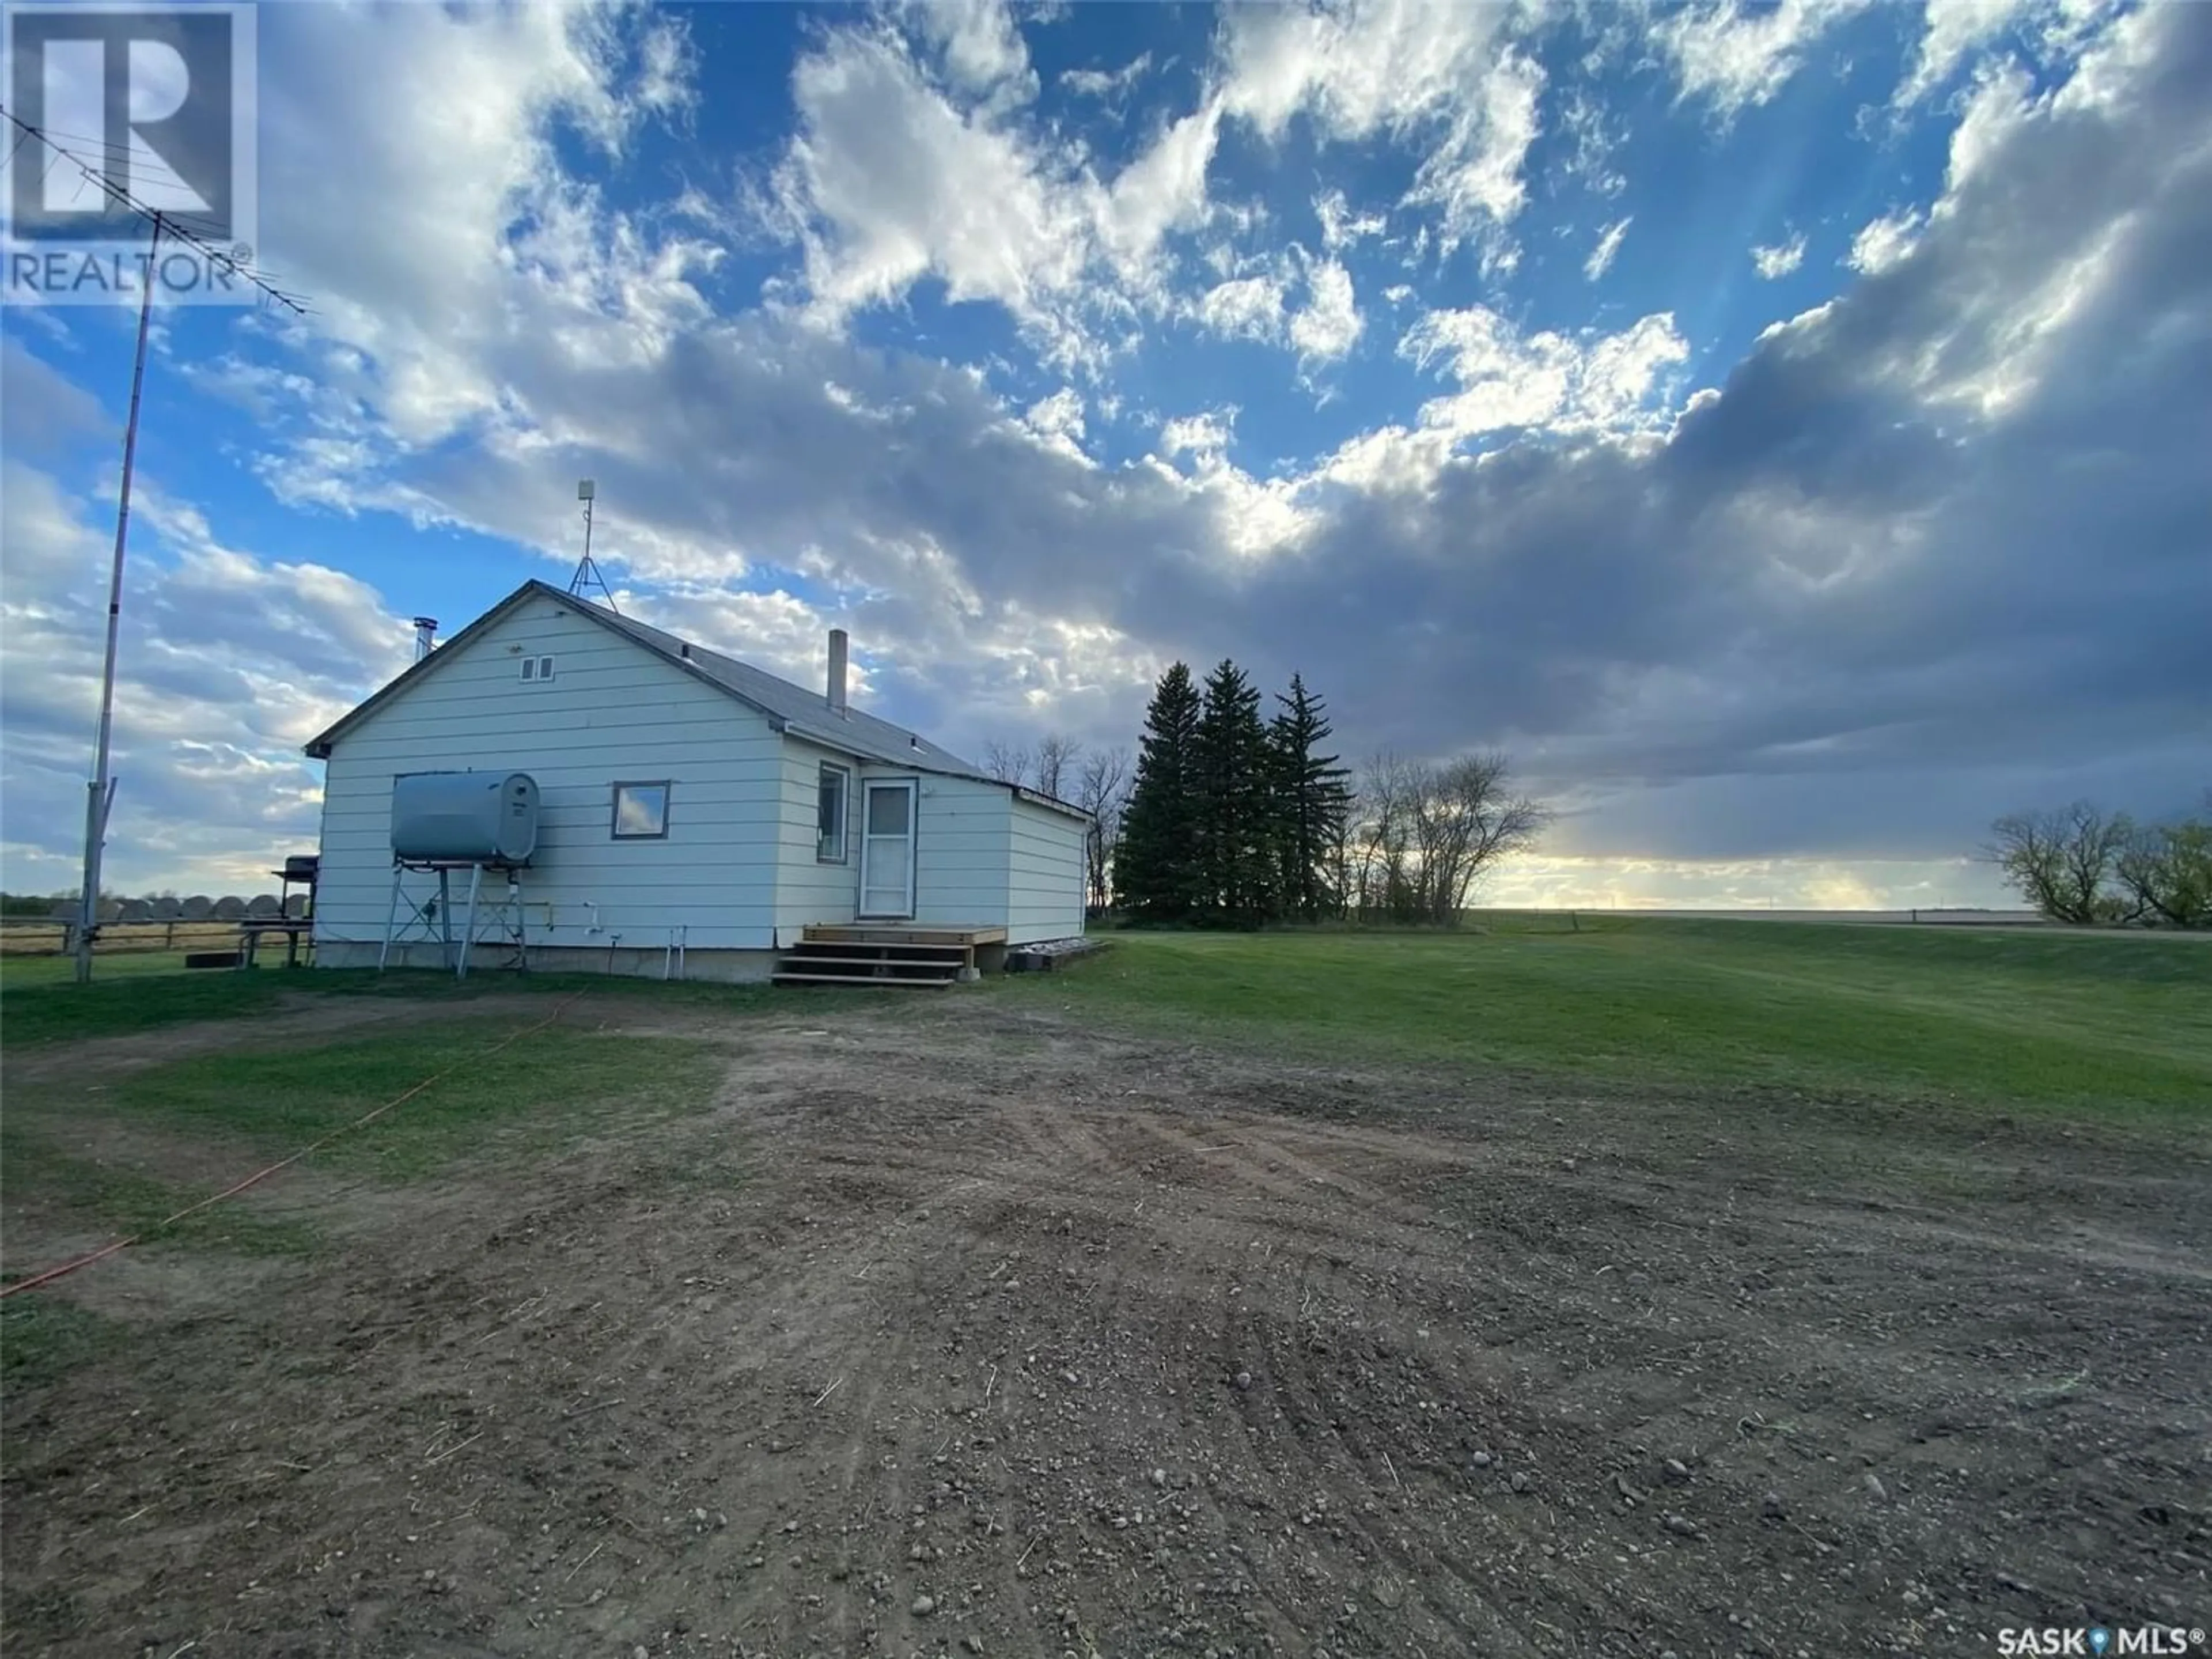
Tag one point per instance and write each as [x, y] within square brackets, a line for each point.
[792, 708]
[787, 707]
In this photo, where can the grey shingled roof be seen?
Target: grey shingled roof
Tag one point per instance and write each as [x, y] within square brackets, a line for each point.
[792, 708]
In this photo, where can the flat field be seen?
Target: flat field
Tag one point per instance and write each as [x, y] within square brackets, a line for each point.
[1660, 1287]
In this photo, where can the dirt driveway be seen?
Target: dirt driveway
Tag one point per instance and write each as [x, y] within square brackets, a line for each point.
[970, 1331]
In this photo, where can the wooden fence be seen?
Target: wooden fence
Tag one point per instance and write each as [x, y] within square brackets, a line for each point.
[37, 937]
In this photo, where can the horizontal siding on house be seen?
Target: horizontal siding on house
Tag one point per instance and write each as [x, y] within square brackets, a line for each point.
[611, 712]
[1044, 874]
[960, 852]
[809, 891]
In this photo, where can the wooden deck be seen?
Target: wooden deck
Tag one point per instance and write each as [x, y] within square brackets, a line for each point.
[879, 955]
[903, 933]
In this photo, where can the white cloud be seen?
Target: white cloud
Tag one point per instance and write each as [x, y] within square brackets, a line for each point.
[1426, 72]
[1953, 28]
[981, 44]
[1780, 259]
[1106, 84]
[1206, 435]
[774, 630]
[1607, 249]
[1059, 421]
[1340, 227]
[894, 183]
[1732, 57]
[1602, 382]
[1246, 308]
[49, 550]
[227, 663]
[1584, 123]
[1330, 323]
[1552, 549]
[667, 66]
[1163, 190]
[2000, 104]
[1473, 176]
[892, 179]
[488, 255]
[1884, 242]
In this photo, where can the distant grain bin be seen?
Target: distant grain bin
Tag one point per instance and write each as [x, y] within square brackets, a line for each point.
[464, 817]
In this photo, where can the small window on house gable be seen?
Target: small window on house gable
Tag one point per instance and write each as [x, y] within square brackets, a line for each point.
[538, 668]
[836, 783]
[641, 812]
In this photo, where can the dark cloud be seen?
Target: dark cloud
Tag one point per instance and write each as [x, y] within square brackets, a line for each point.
[1935, 549]
[1940, 548]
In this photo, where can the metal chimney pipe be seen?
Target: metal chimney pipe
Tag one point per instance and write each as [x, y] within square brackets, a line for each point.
[426, 636]
[839, 649]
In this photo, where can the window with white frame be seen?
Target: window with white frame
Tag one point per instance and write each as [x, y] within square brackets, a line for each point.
[833, 790]
[641, 812]
[538, 668]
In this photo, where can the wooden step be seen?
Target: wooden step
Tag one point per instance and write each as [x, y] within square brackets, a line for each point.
[867, 981]
[903, 947]
[862, 967]
[843, 953]
[954, 959]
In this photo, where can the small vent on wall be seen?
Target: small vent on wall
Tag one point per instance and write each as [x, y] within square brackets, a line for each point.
[538, 668]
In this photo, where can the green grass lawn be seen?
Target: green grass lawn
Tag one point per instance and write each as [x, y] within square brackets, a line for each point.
[2119, 1026]
[62, 1160]
[539, 1092]
[42, 1003]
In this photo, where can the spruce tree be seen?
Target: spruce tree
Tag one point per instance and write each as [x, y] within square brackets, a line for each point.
[1233, 791]
[1312, 795]
[1154, 866]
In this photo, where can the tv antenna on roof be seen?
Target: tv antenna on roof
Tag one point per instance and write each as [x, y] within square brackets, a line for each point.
[587, 575]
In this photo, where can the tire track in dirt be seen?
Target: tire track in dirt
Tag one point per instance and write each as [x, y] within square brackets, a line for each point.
[639, 1340]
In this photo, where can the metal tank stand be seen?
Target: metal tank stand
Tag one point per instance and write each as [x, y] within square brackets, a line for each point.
[499, 920]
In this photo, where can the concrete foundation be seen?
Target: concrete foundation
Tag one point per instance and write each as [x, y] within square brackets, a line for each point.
[651, 962]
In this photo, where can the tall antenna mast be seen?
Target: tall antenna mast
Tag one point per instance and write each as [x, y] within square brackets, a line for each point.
[100, 797]
[587, 575]
[100, 792]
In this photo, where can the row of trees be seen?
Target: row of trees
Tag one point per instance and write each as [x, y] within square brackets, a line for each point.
[1239, 816]
[1234, 816]
[2082, 864]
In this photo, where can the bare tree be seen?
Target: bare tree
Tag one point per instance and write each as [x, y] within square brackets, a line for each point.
[1101, 789]
[1381, 837]
[1008, 763]
[1054, 755]
[1422, 835]
[1343, 853]
[2060, 861]
[1467, 820]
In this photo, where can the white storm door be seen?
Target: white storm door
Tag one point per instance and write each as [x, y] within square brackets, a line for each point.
[887, 848]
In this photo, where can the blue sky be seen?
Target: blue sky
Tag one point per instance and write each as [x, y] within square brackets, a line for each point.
[1780, 428]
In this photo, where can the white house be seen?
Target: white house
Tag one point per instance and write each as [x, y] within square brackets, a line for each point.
[693, 808]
